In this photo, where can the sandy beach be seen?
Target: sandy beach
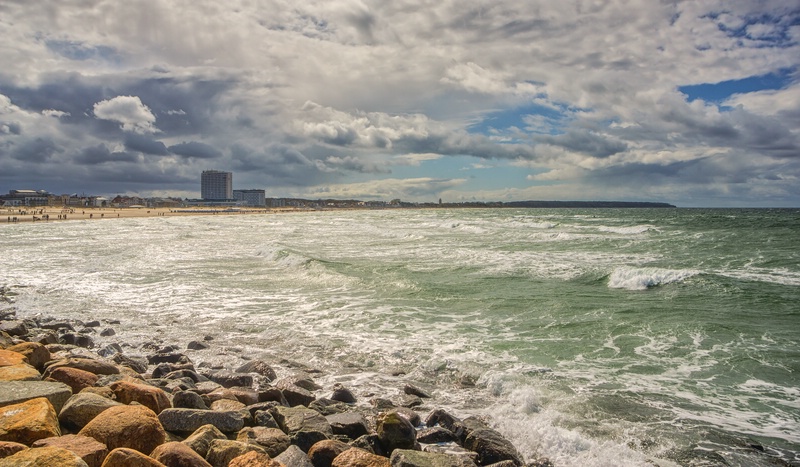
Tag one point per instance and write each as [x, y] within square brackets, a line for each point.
[59, 214]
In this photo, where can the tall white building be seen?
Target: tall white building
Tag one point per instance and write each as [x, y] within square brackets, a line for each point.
[216, 185]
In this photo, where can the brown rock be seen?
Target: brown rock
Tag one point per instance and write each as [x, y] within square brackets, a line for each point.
[104, 391]
[222, 451]
[26, 422]
[20, 372]
[273, 440]
[9, 358]
[201, 439]
[176, 454]
[226, 405]
[9, 448]
[254, 459]
[36, 353]
[323, 453]
[90, 450]
[73, 377]
[81, 408]
[149, 396]
[246, 396]
[124, 457]
[98, 367]
[355, 457]
[43, 457]
[127, 426]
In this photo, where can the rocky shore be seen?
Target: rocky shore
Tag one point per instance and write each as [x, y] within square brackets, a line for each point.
[66, 401]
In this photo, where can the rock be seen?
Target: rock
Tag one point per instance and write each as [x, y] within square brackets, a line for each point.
[14, 327]
[258, 367]
[200, 440]
[408, 400]
[329, 407]
[324, 452]
[299, 379]
[355, 457]
[491, 447]
[294, 419]
[188, 400]
[10, 358]
[49, 337]
[254, 459]
[189, 420]
[28, 421]
[305, 439]
[342, 394]
[436, 434]
[294, 457]
[125, 457]
[370, 443]
[225, 405]
[96, 366]
[273, 440]
[229, 379]
[73, 377]
[57, 326]
[21, 372]
[81, 408]
[415, 391]
[103, 391]
[107, 332]
[413, 417]
[297, 396]
[9, 448]
[110, 350]
[151, 397]
[77, 339]
[21, 391]
[382, 404]
[127, 426]
[43, 457]
[246, 396]
[265, 419]
[353, 425]
[197, 345]
[182, 374]
[92, 324]
[167, 357]
[205, 387]
[222, 451]
[395, 432]
[272, 395]
[175, 454]
[136, 364]
[163, 369]
[409, 458]
[36, 353]
[89, 449]
[443, 419]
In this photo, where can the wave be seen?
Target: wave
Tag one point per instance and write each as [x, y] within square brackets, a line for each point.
[644, 278]
[630, 230]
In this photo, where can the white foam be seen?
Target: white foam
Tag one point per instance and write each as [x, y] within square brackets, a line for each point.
[644, 278]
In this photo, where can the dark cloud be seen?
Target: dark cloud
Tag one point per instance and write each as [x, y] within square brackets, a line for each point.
[100, 154]
[36, 150]
[145, 144]
[195, 149]
[585, 142]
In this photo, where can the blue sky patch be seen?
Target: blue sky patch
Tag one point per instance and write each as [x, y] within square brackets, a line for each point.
[718, 92]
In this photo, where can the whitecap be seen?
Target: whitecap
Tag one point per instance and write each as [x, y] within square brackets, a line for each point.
[644, 278]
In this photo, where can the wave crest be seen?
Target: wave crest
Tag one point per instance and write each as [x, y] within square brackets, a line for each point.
[644, 278]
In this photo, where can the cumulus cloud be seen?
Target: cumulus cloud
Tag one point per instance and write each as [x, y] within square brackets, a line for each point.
[129, 111]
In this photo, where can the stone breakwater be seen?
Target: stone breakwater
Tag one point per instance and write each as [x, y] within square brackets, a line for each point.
[66, 401]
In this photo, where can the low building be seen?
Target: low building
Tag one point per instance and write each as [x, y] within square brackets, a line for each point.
[26, 198]
[251, 197]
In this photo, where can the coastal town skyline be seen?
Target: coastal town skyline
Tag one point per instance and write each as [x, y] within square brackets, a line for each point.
[689, 103]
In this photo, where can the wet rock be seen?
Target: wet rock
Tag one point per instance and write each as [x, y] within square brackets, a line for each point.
[413, 417]
[229, 379]
[272, 394]
[45, 456]
[324, 452]
[137, 364]
[273, 440]
[297, 396]
[294, 457]
[197, 345]
[73, 377]
[77, 339]
[259, 367]
[254, 459]
[92, 324]
[57, 326]
[163, 369]
[436, 434]
[223, 451]
[167, 357]
[126, 426]
[355, 457]
[89, 449]
[126, 457]
[491, 447]
[201, 439]
[299, 379]
[409, 458]
[265, 419]
[353, 425]
[107, 332]
[342, 394]
[305, 439]
[183, 374]
[370, 443]
[109, 350]
[415, 391]
[395, 432]
[37, 354]
[329, 407]
[178, 454]
[189, 420]
[82, 408]
[28, 421]
[14, 327]
[20, 391]
[188, 400]
[408, 401]
[294, 419]
[151, 397]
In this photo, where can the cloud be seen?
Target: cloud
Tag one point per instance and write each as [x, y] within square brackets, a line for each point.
[195, 149]
[129, 112]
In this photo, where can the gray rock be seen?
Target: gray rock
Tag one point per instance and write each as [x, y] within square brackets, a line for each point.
[415, 391]
[436, 434]
[329, 407]
[294, 457]
[81, 408]
[273, 440]
[107, 332]
[229, 379]
[491, 447]
[272, 394]
[259, 367]
[396, 432]
[370, 443]
[353, 425]
[189, 420]
[77, 339]
[167, 357]
[188, 400]
[410, 458]
[342, 394]
[305, 439]
[197, 345]
[294, 419]
[137, 364]
[296, 396]
[300, 379]
[201, 439]
[14, 328]
[15, 392]
[265, 419]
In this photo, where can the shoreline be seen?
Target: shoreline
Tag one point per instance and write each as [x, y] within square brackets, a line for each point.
[57, 214]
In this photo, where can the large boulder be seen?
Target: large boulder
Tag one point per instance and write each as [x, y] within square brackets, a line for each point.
[36, 353]
[81, 408]
[294, 457]
[44, 457]
[355, 457]
[350, 424]
[126, 457]
[491, 447]
[396, 432]
[14, 392]
[410, 458]
[127, 426]
[273, 440]
[223, 451]
[149, 396]
[20, 372]
[189, 420]
[9, 448]
[254, 459]
[92, 365]
[259, 367]
[175, 454]
[75, 378]
[188, 400]
[90, 450]
[201, 439]
[28, 421]
[9, 358]
[324, 452]
[295, 419]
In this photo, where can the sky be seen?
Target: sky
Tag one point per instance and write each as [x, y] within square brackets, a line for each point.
[695, 103]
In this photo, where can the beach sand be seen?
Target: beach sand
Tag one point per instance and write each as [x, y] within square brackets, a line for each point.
[59, 214]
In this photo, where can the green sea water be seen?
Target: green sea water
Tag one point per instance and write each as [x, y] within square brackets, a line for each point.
[592, 337]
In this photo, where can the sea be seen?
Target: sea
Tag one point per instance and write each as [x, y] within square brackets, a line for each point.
[591, 337]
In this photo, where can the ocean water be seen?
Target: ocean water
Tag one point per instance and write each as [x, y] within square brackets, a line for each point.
[595, 337]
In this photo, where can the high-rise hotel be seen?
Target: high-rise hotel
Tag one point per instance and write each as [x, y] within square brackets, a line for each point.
[216, 185]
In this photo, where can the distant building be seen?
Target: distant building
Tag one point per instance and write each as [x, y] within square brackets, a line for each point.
[25, 198]
[250, 197]
[216, 185]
